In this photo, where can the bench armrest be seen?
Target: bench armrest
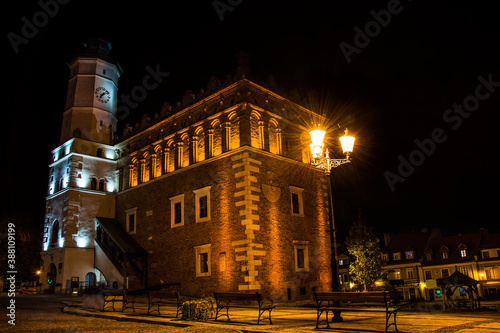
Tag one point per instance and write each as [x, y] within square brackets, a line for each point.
[267, 303]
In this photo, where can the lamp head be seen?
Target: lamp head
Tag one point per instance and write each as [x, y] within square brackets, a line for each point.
[347, 143]
[317, 137]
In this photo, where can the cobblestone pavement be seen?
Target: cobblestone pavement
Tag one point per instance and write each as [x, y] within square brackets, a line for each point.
[55, 313]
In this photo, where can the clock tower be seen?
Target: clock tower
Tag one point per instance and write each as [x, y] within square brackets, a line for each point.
[91, 100]
[82, 172]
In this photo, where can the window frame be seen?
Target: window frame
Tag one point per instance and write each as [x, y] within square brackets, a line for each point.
[303, 246]
[298, 191]
[173, 201]
[198, 194]
[128, 213]
[199, 250]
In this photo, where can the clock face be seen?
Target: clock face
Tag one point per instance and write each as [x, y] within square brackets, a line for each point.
[102, 95]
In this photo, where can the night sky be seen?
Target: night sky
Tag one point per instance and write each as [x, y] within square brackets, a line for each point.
[414, 77]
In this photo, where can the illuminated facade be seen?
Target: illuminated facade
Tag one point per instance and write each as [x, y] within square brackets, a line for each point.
[416, 261]
[215, 194]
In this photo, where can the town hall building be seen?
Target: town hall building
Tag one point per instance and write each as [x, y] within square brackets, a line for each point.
[215, 194]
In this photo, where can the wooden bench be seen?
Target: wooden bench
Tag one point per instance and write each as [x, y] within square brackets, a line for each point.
[226, 301]
[375, 301]
[113, 296]
[164, 297]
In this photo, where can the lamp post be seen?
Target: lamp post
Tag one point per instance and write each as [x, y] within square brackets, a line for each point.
[323, 161]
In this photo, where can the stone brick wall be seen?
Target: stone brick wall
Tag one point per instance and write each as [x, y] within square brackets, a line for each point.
[251, 231]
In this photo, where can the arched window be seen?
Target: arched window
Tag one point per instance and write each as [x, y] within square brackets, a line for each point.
[93, 183]
[55, 232]
[101, 184]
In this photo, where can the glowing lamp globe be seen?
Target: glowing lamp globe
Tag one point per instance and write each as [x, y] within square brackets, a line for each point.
[317, 137]
[347, 143]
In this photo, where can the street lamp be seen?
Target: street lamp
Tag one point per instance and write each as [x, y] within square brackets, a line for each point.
[326, 163]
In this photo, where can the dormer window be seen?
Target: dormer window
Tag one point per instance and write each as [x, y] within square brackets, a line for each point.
[444, 252]
[396, 256]
[428, 254]
[463, 250]
[409, 254]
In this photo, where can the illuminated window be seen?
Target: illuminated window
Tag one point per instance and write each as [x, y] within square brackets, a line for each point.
[464, 270]
[301, 254]
[409, 254]
[397, 274]
[202, 204]
[463, 250]
[203, 261]
[396, 256]
[131, 221]
[177, 211]
[296, 201]
[444, 252]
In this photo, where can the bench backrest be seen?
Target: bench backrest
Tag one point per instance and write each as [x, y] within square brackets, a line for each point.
[114, 292]
[372, 296]
[238, 297]
[163, 294]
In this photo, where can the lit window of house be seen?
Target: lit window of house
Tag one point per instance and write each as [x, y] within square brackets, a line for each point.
[409, 254]
[463, 250]
[444, 252]
[396, 256]
[397, 274]
[343, 262]
[177, 211]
